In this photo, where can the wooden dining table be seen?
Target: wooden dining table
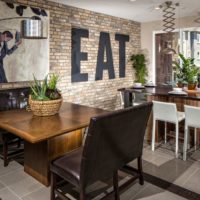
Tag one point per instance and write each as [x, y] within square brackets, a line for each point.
[46, 138]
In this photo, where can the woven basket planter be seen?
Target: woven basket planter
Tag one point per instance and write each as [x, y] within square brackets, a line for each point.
[45, 108]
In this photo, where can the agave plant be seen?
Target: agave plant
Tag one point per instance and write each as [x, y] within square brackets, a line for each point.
[45, 90]
[39, 89]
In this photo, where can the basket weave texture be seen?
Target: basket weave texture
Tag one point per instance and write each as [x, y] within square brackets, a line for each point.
[45, 108]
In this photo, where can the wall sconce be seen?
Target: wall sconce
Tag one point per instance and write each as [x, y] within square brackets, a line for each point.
[32, 28]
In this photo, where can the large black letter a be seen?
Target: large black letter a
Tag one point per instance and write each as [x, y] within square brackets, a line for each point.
[104, 46]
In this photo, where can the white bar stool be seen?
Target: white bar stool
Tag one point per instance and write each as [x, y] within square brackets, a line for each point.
[137, 99]
[166, 112]
[121, 95]
[192, 119]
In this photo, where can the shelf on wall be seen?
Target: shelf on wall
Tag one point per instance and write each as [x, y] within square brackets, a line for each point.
[34, 37]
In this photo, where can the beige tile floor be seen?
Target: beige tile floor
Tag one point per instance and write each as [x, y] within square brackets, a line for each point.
[15, 184]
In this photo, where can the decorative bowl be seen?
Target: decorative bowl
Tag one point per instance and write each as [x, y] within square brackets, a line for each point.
[45, 108]
[137, 84]
[177, 89]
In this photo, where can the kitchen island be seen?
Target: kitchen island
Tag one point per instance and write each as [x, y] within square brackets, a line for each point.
[161, 94]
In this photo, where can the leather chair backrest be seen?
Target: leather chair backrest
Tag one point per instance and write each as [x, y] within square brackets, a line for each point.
[113, 140]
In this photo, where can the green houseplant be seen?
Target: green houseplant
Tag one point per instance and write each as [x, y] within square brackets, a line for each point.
[45, 98]
[45, 90]
[186, 72]
[139, 64]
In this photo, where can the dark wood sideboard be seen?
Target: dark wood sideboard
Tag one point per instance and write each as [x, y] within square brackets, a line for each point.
[13, 98]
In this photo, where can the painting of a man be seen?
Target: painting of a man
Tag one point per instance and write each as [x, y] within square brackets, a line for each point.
[5, 37]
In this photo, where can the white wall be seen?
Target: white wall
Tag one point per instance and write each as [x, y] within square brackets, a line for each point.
[147, 30]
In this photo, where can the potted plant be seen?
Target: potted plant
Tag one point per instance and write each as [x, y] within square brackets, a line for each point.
[45, 98]
[139, 64]
[179, 74]
[187, 71]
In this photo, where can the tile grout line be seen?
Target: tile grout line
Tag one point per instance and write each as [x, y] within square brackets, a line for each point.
[3, 184]
[190, 176]
[10, 172]
[14, 193]
[141, 190]
[32, 191]
[6, 187]
[27, 192]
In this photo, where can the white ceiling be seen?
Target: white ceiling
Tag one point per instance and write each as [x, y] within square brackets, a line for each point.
[139, 10]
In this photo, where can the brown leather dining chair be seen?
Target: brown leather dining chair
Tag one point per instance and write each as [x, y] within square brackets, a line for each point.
[11, 144]
[113, 140]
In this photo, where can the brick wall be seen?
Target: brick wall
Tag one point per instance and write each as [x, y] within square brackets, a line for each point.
[103, 93]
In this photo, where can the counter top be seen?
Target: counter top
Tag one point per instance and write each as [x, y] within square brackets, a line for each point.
[160, 91]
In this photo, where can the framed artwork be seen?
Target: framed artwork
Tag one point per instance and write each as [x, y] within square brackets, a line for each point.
[24, 43]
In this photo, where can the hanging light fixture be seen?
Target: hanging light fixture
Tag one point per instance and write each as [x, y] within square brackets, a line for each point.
[197, 20]
[168, 19]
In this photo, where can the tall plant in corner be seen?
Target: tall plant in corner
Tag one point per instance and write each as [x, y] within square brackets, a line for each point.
[139, 65]
[187, 71]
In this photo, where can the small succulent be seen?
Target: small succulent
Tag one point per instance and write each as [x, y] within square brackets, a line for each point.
[45, 90]
[53, 81]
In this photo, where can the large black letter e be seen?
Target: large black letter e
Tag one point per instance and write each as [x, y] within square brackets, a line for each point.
[77, 55]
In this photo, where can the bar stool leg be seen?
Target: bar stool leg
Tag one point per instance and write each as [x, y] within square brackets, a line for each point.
[82, 194]
[141, 176]
[185, 143]
[188, 138]
[53, 185]
[153, 135]
[165, 132]
[195, 139]
[5, 152]
[115, 186]
[177, 130]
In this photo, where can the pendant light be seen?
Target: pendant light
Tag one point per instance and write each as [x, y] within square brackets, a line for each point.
[168, 19]
[197, 20]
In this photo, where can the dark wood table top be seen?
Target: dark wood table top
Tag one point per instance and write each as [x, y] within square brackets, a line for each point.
[35, 129]
[161, 91]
